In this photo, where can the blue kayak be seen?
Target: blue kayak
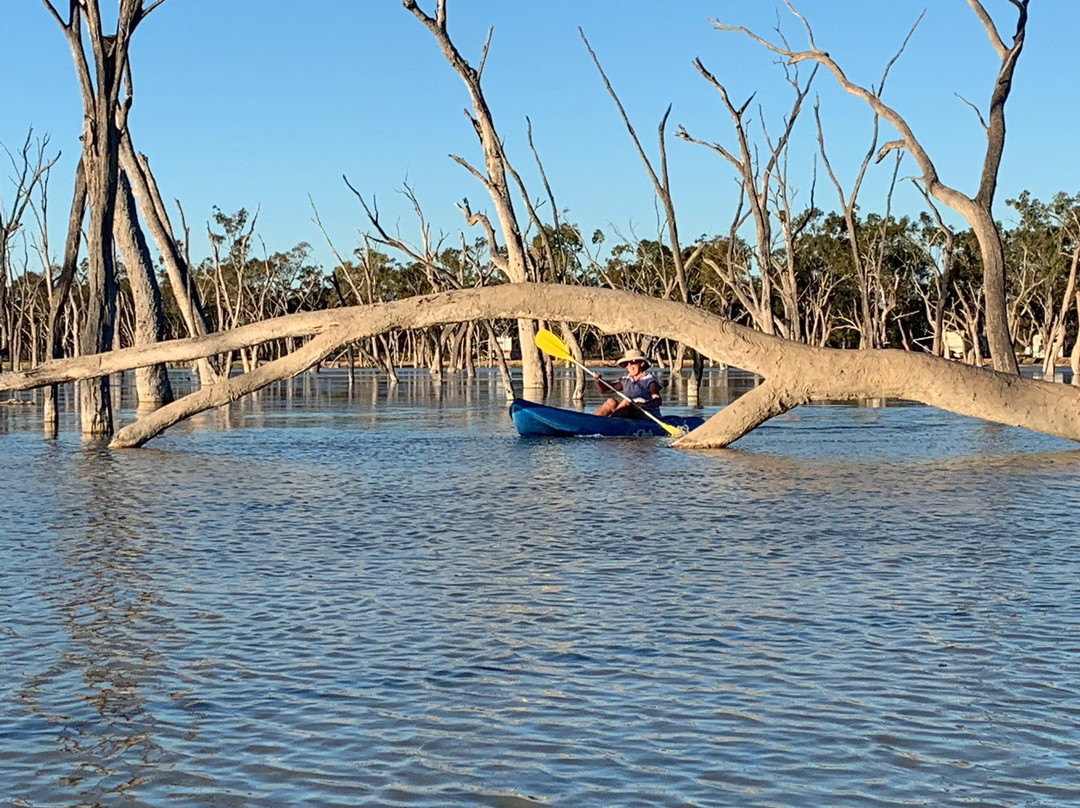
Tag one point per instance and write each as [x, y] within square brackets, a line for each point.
[537, 421]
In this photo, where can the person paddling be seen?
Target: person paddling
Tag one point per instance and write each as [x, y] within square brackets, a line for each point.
[638, 385]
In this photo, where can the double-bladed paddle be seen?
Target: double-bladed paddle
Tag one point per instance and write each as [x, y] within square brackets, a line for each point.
[553, 346]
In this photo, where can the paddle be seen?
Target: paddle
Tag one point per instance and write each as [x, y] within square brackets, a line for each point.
[553, 346]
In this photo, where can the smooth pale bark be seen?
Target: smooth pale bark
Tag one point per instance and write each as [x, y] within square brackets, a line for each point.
[794, 373]
[977, 209]
[58, 295]
[514, 264]
[1056, 342]
[1074, 357]
[157, 221]
[151, 382]
[762, 181]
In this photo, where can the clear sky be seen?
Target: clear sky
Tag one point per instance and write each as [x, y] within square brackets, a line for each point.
[265, 103]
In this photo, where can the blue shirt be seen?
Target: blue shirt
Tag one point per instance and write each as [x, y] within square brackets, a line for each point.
[640, 389]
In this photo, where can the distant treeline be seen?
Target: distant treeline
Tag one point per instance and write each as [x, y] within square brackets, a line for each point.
[909, 283]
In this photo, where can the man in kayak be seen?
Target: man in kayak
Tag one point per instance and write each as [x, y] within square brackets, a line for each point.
[638, 385]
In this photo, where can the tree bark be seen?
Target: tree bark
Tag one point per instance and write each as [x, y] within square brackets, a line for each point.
[151, 382]
[1074, 357]
[495, 182]
[176, 267]
[794, 373]
[977, 209]
[59, 294]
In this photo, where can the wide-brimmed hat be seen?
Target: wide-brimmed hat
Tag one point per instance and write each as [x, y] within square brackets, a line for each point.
[633, 355]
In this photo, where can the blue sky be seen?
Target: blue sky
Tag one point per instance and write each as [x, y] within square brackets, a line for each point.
[258, 104]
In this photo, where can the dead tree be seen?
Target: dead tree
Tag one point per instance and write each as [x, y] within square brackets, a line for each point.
[554, 256]
[1074, 357]
[662, 185]
[101, 74]
[177, 265]
[59, 290]
[371, 264]
[30, 172]
[977, 209]
[793, 373]
[151, 383]
[513, 264]
[760, 182]
[426, 255]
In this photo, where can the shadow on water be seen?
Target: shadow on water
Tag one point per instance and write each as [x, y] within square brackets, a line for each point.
[380, 595]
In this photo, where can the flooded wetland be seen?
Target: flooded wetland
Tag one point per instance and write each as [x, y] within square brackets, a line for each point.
[384, 596]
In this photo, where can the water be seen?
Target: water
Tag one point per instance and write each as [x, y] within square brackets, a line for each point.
[389, 599]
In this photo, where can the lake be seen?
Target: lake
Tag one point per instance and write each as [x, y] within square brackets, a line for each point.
[385, 597]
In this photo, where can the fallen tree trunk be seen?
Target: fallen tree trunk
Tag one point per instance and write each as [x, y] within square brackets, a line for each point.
[794, 373]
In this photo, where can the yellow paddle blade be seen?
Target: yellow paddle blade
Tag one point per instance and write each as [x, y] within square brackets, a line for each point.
[674, 431]
[552, 345]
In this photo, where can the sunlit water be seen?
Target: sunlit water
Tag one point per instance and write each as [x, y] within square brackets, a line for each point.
[388, 598]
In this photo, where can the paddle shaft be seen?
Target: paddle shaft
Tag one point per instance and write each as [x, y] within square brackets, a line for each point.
[551, 344]
[666, 427]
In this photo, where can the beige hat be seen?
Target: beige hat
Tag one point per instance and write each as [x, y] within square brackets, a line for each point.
[633, 355]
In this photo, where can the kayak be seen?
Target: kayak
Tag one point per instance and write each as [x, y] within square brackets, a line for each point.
[537, 420]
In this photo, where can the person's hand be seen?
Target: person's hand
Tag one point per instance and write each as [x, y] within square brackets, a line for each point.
[596, 376]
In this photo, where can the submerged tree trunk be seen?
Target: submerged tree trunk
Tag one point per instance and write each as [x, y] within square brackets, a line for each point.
[976, 209]
[101, 74]
[58, 297]
[157, 221]
[793, 373]
[151, 382]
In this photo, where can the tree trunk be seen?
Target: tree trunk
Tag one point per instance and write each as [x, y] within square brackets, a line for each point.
[793, 373]
[104, 119]
[504, 368]
[1074, 357]
[95, 399]
[571, 340]
[151, 382]
[1056, 342]
[154, 214]
[998, 335]
[59, 294]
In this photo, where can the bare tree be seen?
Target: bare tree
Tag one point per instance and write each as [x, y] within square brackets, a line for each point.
[426, 255]
[101, 74]
[977, 209]
[59, 289]
[30, 171]
[1048, 240]
[513, 264]
[151, 383]
[794, 373]
[177, 265]
[661, 180]
[761, 184]
[1074, 357]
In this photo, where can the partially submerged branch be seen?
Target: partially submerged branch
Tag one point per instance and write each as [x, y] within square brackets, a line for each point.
[794, 373]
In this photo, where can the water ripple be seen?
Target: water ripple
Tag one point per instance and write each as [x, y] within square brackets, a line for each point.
[315, 606]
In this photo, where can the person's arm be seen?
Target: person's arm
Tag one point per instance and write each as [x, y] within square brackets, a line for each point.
[600, 383]
[654, 392]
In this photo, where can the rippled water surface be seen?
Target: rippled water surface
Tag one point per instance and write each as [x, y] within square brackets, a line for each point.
[388, 598]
